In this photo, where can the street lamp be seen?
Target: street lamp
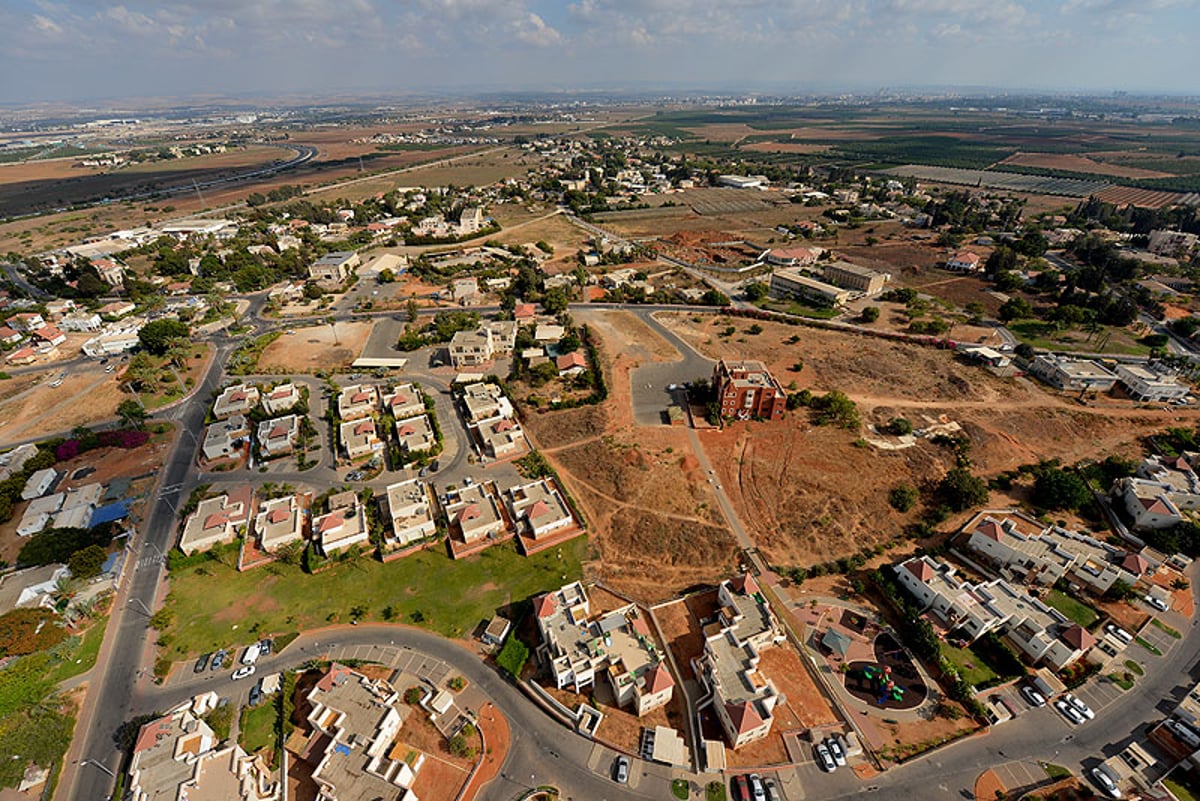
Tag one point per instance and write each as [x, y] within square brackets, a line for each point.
[99, 765]
[145, 608]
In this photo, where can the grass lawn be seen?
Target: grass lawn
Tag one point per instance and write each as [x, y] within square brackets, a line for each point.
[799, 309]
[1147, 646]
[1056, 772]
[214, 606]
[1165, 628]
[84, 657]
[257, 728]
[971, 666]
[1184, 792]
[1081, 613]
[1121, 681]
[1046, 337]
[1134, 667]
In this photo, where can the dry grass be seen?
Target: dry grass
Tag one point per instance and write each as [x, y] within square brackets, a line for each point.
[316, 347]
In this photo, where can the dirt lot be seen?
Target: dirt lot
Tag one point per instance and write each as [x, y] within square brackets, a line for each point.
[41, 409]
[1063, 161]
[809, 494]
[316, 347]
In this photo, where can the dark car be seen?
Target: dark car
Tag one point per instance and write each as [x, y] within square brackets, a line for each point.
[218, 659]
[201, 663]
[265, 646]
[741, 790]
[256, 694]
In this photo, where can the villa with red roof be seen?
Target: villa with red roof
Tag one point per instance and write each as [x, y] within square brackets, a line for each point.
[281, 399]
[571, 364]
[1150, 503]
[538, 509]
[500, 437]
[359, 439]
[358, 401]
[404, 401]
[217, 520]
[415, 434]
[345, 524]
[964, 261]
[475, 514]
[235, 399]
[279, 522]
[279, 436]
[49, 335]
[631, 660]
[743, 698]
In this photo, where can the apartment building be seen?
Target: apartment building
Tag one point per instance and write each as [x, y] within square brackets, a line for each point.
[746, 389]
[852, 276]
[1144, 383]
[1073, 374]
[410, 508]
[334, 268]
[615, 645]
[472, 348]
[791, 282]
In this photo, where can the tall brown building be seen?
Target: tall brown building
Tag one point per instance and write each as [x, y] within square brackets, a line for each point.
[746, 389]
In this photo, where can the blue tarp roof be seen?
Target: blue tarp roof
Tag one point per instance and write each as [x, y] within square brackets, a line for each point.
[107, 514]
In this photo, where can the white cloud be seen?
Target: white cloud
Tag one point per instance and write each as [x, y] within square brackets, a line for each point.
[538, 33]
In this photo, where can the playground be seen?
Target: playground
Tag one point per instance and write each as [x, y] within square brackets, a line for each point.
[891, 681]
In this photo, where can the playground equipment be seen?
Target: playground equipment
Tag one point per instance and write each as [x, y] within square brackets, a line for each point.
[882, 678]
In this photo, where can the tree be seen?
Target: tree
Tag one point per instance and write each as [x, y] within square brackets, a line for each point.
[27, 631]
[755, 291]
[131, 412]
[1016, 309]
[512, 657]
[157, 336]
[960, 490]
[88, 562]
[870, 314]
[178, 353]
[1055, 488]
[555, 300]
[411, 310]
[903, 498]
[1119, 591]
[900, 426]
[714, 297]
[140, 371]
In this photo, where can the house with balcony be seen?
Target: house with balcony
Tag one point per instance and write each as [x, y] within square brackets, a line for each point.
[278, 437]
[404, 401]
[474, 514]
[225, 438]
[280, 399]
[357, 401]
[415, 434]
[360, 439]
[218, 520]
[344, 526]
[483, 400]
[411, 510]
[616, 646]
[238, 399]
[538, 509]
[500, 437]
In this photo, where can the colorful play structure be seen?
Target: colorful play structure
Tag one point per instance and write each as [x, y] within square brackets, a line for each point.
[881, 678]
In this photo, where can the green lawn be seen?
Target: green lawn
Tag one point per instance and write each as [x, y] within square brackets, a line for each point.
[212, 605]
[257, 727]
[973, 668]
[84, 657]
[1135, 668]
[1145, 644]
[1184, 792]
[1175, 635]
[1055, 772]
[1081, 613]
[1121, 681]
[1045, 336]
[799, 309]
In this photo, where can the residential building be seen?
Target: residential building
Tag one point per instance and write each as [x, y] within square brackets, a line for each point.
[793, 257]
[1053, 553]
[26, 322]
[117, 309]
[1073, 374]
[571, 364]
[359, 439]
[177, 758]
[344, 526]
[500, 437]
[851, 276]
[984, 355]
[404, 401]
[281, 398]
[34, 587]
[114, 339]
[746, 389]
[504, 336]
[474, 513]
[743, 699]
[39, 483]
[415, 434]
[471, 348]
[538, 509]
[278, 436]
[546, 333]
[77, 506]
[470, 221]
[237, 399]
[80, 321]
[22, 356]
[791, 283]
[10, 337]
[483, 400]
[1148, 502]
[217, 520]
[55, 309]
[39, 513]
[1172, 243]
[524, 313]
[357, 401]
[1178, 474]
[616, 645]
[333, 268]
[465, 291]
[742, 181]
[964, 261]
[1039, 631]
[1144, 383]
[225, 438]
[355, 722]
[48, 334]
[280, 521]
[13, 462]
[410, 507]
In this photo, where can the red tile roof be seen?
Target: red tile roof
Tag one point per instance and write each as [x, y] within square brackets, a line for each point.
[504, 425]
[745, 584]
[1155, 505]
[469, 512]
[331, 521]
[570, 360]
[545, 606]
[406, 429]
[538, 509]
[1135, 563]
[919, 568]
[524, 311]
[278, 515]
[991, 529]
[744, 717]
[1078, 638]
[151, 733]
[658, 678]
[215, 519]
[365, 427]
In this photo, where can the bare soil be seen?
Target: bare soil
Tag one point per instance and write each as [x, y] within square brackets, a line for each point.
[43, 409]
[1074, 163]
[316, 347]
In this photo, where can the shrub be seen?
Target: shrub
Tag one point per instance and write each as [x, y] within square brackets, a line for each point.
[512, 657]
[903, 498]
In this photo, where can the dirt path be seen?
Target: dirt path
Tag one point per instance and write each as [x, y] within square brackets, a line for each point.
[1048, 402]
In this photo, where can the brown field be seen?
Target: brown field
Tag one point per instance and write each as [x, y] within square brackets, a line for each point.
[40, 409]
[785, 147]
[1074, 163]
[1145, 198]
[316, 347]
[807, 494]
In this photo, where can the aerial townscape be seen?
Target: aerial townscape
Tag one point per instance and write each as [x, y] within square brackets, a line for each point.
[451, 429]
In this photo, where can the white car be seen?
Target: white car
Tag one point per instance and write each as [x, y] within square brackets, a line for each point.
[1069, 712]
[1156, 603]
[1120, 633]
[1080, 706]
[824, 758]
[1106, 783]
[1033, 696]
[835, 751]
[243, 672]
[251, 654]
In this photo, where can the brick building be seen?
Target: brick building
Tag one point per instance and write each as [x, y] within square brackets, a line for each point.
[746, 389]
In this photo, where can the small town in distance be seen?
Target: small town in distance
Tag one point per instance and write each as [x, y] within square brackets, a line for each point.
[757, 445]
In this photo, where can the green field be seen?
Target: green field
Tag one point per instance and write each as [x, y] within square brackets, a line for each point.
[83, 658]
[971, 666]
[1047, 336]
[1081, 613]
[256, 730]
[211, 605]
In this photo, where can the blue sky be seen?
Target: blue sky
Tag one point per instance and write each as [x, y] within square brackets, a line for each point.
[80, 49]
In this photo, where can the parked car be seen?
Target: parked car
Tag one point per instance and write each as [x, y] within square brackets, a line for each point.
[218, 659]
[255, 694]
[265, 646]
[841, 740]
[741, 791]
[250, 656]
[1156, 603]
[1080, 706]
[772, 789]
[756, 788]
[621, 769]
[1120, 633]
[1069, 712]
[243, 672]
[201, 663]
[835, 751]
[1033, 696]
[825, 759]
[1106, 782]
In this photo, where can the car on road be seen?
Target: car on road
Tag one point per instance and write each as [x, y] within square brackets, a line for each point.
[201, 663]
[1080, 706]
[1034, 697]
[824, 758]
[218, 659]
[110, 368]
[621, 769]
[835, 751]
[243, 672]
[741, 791]
[1120, 633]
[1150, 599]
[1069, 712]
[1106, 783]
[757, 792]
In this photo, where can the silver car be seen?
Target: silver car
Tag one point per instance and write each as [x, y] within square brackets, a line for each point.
[1080, 706]
[1106, 783]
[824, 759]
[1069, 712]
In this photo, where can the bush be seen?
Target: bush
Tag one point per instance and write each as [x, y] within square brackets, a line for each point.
[899, 426]
[960, 490]
[903, 498]
[512, 657]
[870, 314]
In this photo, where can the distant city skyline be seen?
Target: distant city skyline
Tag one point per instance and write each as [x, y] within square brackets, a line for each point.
[74, 50]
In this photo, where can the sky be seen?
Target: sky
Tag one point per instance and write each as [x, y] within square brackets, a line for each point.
[80, 50]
